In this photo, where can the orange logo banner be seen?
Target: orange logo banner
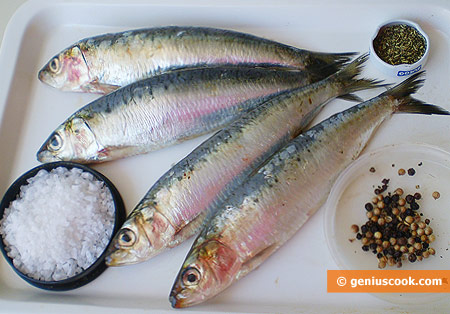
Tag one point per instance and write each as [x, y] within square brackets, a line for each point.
[385, 281]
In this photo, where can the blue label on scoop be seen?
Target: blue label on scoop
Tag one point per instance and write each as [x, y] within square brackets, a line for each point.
[403, 73]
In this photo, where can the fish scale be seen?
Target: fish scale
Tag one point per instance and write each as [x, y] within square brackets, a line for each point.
[164, 110]
[174, 208]
[273, 203]
[103, 63]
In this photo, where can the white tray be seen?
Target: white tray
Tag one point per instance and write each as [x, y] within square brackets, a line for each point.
[294, 279]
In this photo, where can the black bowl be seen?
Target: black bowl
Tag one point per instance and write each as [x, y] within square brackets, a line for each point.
[99, 265]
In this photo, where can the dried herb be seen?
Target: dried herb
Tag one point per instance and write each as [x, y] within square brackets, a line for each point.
[399, 44]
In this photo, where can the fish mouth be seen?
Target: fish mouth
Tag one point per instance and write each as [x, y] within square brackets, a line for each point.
[44, 156]
[176, 301]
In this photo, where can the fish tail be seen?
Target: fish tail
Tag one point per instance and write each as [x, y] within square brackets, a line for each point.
[347, 83]
[325, 64]
[408, 104]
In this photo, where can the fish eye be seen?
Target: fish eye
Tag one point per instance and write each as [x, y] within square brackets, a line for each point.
[54, 65]
[191, 276]
[55, 142]
[127, 237]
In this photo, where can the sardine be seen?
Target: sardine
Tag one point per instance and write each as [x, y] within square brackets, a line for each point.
[164, 110]
[175, 207]
[276, 201]
[106, 62]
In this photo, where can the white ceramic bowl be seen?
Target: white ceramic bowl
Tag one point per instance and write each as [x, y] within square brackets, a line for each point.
[355, 187]
[401, 70]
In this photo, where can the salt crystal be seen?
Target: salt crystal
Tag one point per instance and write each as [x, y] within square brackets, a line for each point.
[55, 229]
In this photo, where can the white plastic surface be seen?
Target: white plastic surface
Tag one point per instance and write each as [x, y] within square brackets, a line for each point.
[292, 280]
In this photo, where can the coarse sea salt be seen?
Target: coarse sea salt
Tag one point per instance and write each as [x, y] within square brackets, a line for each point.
[59, 225]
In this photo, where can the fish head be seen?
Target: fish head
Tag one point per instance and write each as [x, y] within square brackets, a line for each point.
[67, 71]
[208, 269]
[71, 141]
[145, 234]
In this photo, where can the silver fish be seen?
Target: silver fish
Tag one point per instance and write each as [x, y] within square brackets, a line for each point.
[175, 207]
[276, 201]
[106, 62]
[164, 110]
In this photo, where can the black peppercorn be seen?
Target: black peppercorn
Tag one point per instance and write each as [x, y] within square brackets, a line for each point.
[359, 236]
[414, 206]
[379, 255]
[368, 207]
[409, 198]
[373, 246]
[417, 196]
[412, 258]
[425, 245]
[365, 248]
[427, 221]
[411, 171]
[395, 198]
[364, 229]
[387, 200]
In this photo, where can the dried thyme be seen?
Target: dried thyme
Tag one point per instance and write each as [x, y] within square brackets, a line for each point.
[399, 44]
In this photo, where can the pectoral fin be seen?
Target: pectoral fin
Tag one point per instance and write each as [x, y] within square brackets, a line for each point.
[256, 260]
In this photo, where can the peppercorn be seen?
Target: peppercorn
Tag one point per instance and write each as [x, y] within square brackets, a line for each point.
[381, 264]
[355, 228]
[431, 251]
[431, 238]
[428, 230]
[380, 197]
[364, 241]
[372, 169]
[374, 200]
[420, 232]
[364, 229]
[395, 211]
[359, 236]
[379, 255]
[385, 244]
[409, 198]
[381, 221]
[399, 264]
[395, 198]
[414, 206]
[412, 258]
[418, 246]
[421, 225]
[423, 238]
[436, 195]
[417, 196]
[391, 261]
[419, 258]
[401, 172]
[426, 254]
[427, 221]
[368, 206]
[411, 171]
[401, 202]
[403, 249]
[365, 248]
[409, 219]
[401, 241]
